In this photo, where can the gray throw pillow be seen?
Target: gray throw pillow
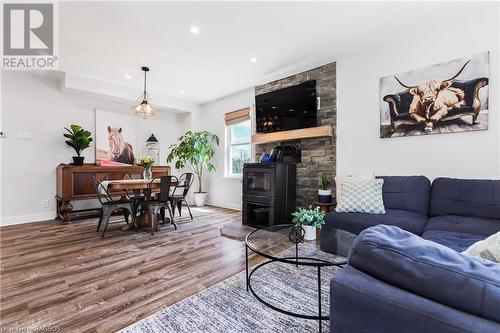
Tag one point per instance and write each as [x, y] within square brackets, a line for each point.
[361, 196]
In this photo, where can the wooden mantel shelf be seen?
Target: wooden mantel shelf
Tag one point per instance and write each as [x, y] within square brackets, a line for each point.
[311, 132]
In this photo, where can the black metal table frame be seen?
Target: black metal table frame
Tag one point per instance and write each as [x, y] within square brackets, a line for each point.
[296, 236]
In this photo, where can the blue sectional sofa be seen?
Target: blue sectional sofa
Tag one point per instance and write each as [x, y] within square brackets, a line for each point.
[453, 212]
[397, 282]
[405, 272]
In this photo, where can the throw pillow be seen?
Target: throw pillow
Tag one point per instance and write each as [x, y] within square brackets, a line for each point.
[488, 248]
[361, 196]
[351, 178]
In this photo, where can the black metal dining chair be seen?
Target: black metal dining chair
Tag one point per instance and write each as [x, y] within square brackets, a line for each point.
[136, 198]
[182, 190]
[168, 185]
[109, 205]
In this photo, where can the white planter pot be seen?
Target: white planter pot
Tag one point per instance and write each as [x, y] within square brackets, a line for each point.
[200, 198]
[310, 232]
[325, 192]
[325, 196]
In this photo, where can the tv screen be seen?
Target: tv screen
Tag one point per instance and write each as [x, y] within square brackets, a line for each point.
[286, 109]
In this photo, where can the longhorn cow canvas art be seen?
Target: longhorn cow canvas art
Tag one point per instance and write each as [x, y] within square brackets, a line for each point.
[448, 97]
[115, 136]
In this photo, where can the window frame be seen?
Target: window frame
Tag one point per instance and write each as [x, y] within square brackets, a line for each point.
[228, 154]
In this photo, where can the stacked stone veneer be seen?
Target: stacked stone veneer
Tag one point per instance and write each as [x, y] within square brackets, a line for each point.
[318, 154]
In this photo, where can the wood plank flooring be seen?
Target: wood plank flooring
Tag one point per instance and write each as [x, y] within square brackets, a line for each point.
[67, 279]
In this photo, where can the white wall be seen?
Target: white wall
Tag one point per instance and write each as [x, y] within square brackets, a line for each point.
[222, 191]
[34, 104]
[359, 148]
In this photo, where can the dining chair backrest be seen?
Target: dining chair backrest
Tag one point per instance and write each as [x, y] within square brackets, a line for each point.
[101, 191]
[168, 185]
[184, 184]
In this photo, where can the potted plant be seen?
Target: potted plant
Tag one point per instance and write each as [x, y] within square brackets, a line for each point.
[194, 150]
[310, 219]
[147, 163]
[324, 192]
[79, 139]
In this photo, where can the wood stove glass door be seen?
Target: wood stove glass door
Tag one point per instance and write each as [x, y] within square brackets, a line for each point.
[258, 182]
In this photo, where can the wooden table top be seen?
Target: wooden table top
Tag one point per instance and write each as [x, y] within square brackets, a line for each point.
[135, 184]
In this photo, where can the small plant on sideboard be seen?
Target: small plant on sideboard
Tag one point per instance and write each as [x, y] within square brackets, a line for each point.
[79, 139]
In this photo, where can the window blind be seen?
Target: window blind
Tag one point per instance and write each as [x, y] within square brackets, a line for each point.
[237, 116]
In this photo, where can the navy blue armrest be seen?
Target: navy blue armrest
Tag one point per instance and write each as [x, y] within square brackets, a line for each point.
[425, 268]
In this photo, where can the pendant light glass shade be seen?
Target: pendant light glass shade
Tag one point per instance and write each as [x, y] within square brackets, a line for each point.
[144, 107]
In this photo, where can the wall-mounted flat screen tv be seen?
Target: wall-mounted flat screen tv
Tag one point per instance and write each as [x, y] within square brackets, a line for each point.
[286, 109]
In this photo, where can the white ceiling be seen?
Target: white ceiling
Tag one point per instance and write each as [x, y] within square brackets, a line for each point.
[107, 40]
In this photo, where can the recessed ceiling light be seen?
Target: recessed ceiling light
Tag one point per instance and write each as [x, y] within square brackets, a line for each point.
[254, 60]
[183, 91]
[194, 30]
[127, 76]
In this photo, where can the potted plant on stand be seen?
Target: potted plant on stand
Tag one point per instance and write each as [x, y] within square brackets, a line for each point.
[310, 219]
[195, 150]
[325, 193]
[147, 163]
[79, 139]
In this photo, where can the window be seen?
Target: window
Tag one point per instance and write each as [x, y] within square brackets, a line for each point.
[238, 147]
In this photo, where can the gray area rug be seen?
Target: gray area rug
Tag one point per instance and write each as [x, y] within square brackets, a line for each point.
[228, 307]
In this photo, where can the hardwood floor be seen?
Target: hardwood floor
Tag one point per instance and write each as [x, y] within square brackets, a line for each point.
[67, 279]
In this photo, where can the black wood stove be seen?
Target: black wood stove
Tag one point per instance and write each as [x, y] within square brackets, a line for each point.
[269, 194]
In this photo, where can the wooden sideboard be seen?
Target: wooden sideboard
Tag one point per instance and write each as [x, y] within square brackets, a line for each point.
[75, 183]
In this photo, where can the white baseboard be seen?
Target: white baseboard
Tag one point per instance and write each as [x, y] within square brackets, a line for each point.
[20, 219]
[224, 205]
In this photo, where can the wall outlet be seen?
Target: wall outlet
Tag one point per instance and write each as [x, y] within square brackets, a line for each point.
[45, 203]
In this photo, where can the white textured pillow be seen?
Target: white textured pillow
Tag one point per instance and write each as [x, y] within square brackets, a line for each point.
[361, 196]
[488, 248]
[351, 178]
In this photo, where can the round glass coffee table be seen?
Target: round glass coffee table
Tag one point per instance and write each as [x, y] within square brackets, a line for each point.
[264, 242]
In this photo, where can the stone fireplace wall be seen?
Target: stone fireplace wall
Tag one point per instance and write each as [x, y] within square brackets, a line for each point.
[318, 154]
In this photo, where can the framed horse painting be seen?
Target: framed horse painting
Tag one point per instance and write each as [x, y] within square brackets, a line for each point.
[115, 138]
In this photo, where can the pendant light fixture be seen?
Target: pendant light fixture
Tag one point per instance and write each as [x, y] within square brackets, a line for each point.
[144, 108]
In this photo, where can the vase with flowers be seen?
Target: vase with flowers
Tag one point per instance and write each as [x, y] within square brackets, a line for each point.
[147, 163]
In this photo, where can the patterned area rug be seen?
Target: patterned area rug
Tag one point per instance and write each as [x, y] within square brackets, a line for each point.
[228, 307]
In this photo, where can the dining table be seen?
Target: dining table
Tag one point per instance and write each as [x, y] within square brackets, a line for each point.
[135, 187]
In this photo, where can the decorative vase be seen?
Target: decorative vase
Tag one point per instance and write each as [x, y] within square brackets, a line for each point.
[309, 232]
[200, 198]
[78, 160]
[325, 196]
[147, 174]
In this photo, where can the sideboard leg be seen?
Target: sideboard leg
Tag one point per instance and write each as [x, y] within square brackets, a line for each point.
[65, 209]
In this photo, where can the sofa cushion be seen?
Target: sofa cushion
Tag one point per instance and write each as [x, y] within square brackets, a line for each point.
[357, 222]
[406, 193]
[457, 241]
[464, 224]
[362, 303]
[465, 197]
[428, 269]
